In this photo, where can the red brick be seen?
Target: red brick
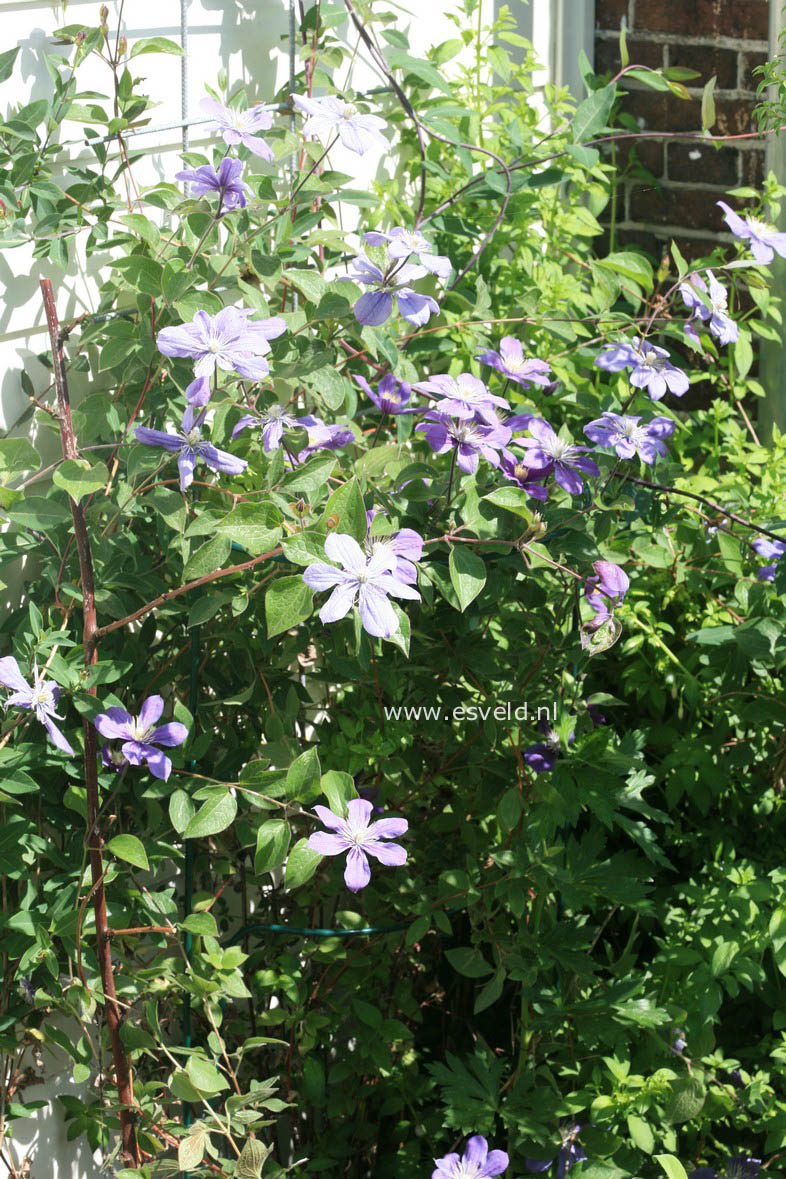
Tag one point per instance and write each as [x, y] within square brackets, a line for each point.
[753, 169]
[666, 112]
[691, 208]
[607, 54]
[746, 19]
[609, 13]
[707, 165]
[708, 61]
[749, 80]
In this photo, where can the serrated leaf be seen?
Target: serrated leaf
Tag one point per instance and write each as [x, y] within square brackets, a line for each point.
[130, 849]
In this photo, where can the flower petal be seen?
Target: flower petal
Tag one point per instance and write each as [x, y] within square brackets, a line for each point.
[357, 872]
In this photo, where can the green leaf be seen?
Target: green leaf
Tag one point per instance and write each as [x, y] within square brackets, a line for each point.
[253, 526]
[310, 284]
[513, 499]
[272, 845]
[78, 478]
[204, 1076]
[304, 548]
[155, 45]
[467, 574]
[216, 814]
[629, 264]
[743, 353]
[181, 811]
[345, 511]
[708, 104]
[288, 601]
[208, 558]
[251, 1159]
[203, 924]
[489, 993]
[592, 115]
[308, 479]
[191, 1149]
[399, 59]
[687, 1099]
[7, 60]
[17, 456]
[302, 864]
[338, 788]
[672, 1166]
[468, 962]
[130, 849]
[777, 932]
[641, 1134]
[303, 777]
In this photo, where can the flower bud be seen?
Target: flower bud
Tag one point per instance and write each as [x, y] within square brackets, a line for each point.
[122, 47]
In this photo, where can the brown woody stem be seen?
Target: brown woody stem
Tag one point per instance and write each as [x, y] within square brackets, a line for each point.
[114, 1017]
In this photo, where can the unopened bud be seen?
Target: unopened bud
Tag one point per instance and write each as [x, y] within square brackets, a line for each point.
[80, 37]
[122, 47]
[103, 13]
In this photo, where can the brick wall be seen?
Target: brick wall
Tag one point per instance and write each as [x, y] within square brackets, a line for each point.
[725, 38]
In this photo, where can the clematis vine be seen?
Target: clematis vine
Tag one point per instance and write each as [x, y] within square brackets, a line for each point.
[477, 1162]
[405, 548]
[229, 341]
[333, 116]
[190, 448]
[39, 698]
[226, 182]
[407, 243]
[391, 395]
[324, 437]
[376, 306]
[627, 438]
[511, 362]
[365, 581]
[141, 736]
[606, 589]
[765, 241]
[463, 397]
[273, 420]
[554, 455]
[469, 439]
[239, 127]
[516, 471]
[359, 838]
[697, 294]
[652, 369]
[771, 550]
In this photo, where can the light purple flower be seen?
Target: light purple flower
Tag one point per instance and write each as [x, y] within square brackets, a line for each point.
[362, 580]
[359, 838]
[515, 471]
[770, 550]
[332, 115]
[273, 420]
[606, 589]
[511, 363]
[190, 447]
[241, 126]
[376, 307]
[404, 546]
[229, 341]
[140, 735]
[765, 240]
[721, 324]
[547, 451]
[324, 437]
[477, 1162]
[470, 439]
[403, 243]
[391, 396]
[627, 438]
[463, 397]
[226, 182]
[41, 698]
[652, 369]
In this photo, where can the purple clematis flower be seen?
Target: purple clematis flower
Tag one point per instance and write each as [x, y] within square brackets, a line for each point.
[547, 451]
[606, 589]
[542, 758]
[765, 240]
[190, 447]
[477, 1162]
[330, 115]
[323, 437]
[360, 839]
[403, 243]
[273, 420]
[511, 363]
[229, 341]
[721, 324]
[240, 126]
[226, 182]
[367, 581]
[404, 546]
[627, 438]
[515, 470]
[471, 439]
[376, 307]
[651, 367]
[770, 550]
[41, 698]
[741, 1166]
[140, 735]
[569, 1153]
[463, 397]
[391, 396]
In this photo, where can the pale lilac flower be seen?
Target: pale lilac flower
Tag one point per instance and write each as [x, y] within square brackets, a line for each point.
[515, 471]
[613, 358]
[463, 397]
[362, 580]
[765, 240]
[403, 243]
[241, 126]
[190, 447]
[273, 420]
[199, 391]
[569, 1153]
[721, 324]
[41, 698]
[391, 396]
[547, 451]
[652, 369]
[511, 363]
[332, 115]
[405, 547]
[477, 1162]
[227, 182]
[359, 838]
[470, 439]
[627, 438]
[140, 735]
[323, 437]
[770, 550]
[229, 341]
[376, 307]
[606, 589]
